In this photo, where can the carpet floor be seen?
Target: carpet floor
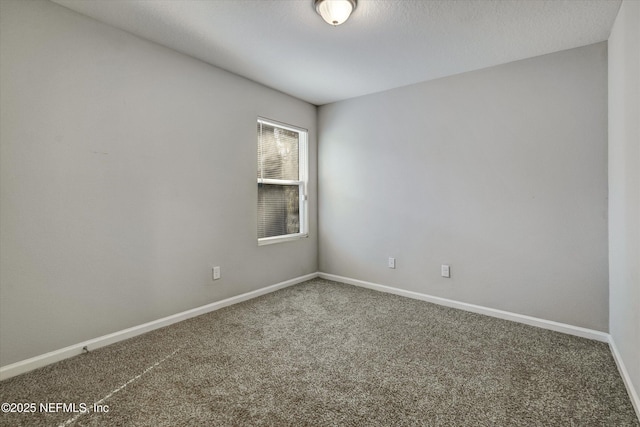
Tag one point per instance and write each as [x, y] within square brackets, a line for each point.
[323, 353]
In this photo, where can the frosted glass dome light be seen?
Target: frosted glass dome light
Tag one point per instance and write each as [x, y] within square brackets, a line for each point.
[335, 12]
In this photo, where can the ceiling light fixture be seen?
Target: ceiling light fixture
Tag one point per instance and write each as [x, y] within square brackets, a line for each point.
[335, 12]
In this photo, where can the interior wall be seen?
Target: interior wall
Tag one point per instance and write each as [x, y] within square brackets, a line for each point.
[127, 171]
[624, 187]
[500, 173]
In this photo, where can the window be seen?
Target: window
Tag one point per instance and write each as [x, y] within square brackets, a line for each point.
[282, 182]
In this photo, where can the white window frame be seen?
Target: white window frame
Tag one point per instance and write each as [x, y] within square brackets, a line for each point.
[302, 182]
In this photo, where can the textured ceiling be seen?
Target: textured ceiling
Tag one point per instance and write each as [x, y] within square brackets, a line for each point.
[285, 45]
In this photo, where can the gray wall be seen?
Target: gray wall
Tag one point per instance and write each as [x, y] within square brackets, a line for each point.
[624, 187]
[127, 170]
[501, 173]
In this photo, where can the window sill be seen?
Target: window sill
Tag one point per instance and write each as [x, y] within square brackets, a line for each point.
[279, 239]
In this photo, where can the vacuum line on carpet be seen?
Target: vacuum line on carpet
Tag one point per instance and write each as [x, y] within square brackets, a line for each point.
[122, 387]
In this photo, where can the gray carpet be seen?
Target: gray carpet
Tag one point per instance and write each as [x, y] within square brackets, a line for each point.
[323, 353]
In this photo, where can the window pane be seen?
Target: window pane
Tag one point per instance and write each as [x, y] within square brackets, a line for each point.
[277, 153]
[278, 210]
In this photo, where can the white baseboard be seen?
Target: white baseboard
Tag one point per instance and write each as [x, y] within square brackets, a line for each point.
[507, 315]
[27, 365]
[633, 394]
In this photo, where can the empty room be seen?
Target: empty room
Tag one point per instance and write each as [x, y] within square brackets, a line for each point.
[320, 212]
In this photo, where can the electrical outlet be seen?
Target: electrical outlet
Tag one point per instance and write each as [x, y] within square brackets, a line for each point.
[216, 273]
[392, 262]
[445, 271]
